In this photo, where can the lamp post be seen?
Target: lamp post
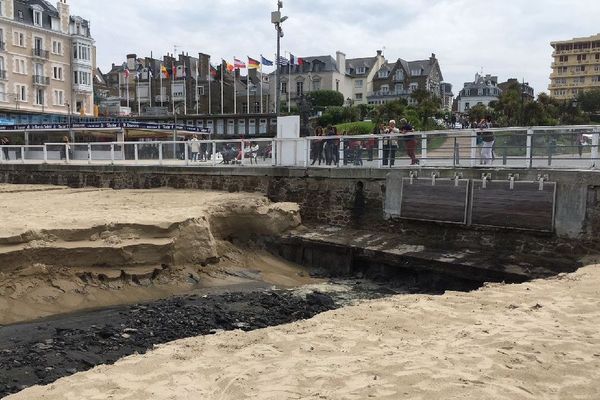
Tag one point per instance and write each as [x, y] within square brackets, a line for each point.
[277, 20]
[69, 121]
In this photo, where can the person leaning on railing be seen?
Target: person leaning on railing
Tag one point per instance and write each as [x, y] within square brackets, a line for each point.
[487, 144]
[390, 144]
[5, 142]
[410, 141]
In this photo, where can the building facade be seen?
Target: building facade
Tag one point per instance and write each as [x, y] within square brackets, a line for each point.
[47, 59]
[399, 80]
[575, 67]
[446, 96]
[361, 72]
[526, 90]
[482, 91]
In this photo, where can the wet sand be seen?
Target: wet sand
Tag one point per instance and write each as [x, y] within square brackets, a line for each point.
[536, 340]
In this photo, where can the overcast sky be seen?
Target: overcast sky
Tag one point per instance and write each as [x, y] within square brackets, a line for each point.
[507, 38]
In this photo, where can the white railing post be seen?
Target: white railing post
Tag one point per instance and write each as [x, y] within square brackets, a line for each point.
[528, 149]
[214, 153]
[67, 157]
[135, 152]
[22, 154]
[273, 152]
[112, 153]
[307, 155]
[295, 152]
[243, 152]
[45, 150]
[160, 155]
[89, 151]
[185, 153]
[423, 149]
[595, 141]
[473, 148]
[379, 152]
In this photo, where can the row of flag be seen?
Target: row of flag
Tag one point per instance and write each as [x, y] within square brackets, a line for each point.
[179, 71]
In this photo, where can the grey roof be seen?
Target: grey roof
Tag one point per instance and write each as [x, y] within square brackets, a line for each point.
[423, 65]
[353, 64]
[48, 7]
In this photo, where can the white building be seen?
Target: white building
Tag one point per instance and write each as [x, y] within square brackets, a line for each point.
[482, 91]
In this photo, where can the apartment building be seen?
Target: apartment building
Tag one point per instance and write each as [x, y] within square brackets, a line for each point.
[575, 67]
[47, 59]
[481, 91]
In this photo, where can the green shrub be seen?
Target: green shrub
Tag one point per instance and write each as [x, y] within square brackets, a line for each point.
[356, 128]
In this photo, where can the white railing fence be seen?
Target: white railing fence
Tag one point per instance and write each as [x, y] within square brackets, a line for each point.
[535, 147]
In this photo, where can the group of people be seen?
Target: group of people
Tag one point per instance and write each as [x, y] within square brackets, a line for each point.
[199, 151]
[486, 141]
[327, 150]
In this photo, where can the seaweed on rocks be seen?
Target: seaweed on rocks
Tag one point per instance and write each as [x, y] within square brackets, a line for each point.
[41, 352]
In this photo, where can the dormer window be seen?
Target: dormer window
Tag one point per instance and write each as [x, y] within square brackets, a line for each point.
[384, 73]
[37, 18]
[20, 15]
[361, 70]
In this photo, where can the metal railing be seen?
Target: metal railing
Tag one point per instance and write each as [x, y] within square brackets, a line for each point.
[573, 147]
[41, 80]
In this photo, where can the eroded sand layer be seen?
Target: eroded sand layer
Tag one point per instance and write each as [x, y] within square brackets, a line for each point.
[538, 340]
[67, 249]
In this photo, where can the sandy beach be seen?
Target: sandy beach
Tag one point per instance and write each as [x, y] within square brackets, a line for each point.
[537, 340]
[64, 250]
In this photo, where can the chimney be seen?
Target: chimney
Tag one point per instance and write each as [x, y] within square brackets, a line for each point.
[64, 15]
[341, 61]
[379, 52]
[432, 58]
[131, 61]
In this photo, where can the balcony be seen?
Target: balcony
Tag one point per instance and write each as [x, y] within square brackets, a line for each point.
[2, 46]
[2, 75]
[41, 80]
[40, 53]
[393, 93]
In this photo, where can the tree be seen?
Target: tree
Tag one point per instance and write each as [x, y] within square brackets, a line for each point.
[589, 101]
[326, 98]
[478, 112]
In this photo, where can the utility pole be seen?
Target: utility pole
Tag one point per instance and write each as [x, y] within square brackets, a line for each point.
[277, 20]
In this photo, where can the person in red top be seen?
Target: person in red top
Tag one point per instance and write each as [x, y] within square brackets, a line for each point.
[410, 141]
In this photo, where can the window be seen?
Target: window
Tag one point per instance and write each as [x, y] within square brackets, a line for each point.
[358, 83]
[413, 86]
[20, 15]
[299, 88]
[563, 58]
[1, 10]
[358, 96]
[57, 73]
[56, 47]
[385, 89]
[20, 66]
[415, 72]
[81, 52]
[19, 39]
[2, 66]
[37, 18]
[59, 98]
[21, 92]
[337, 86]
[85, 78]
[39, 97]
[38, 69]
[399, 75]
[316, 85]
[383, 73]
[2, 92]
[361, 70]
[467, 106]
[283, 87]
[398, 88]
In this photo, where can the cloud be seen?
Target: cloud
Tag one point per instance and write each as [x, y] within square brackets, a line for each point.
[508, 38]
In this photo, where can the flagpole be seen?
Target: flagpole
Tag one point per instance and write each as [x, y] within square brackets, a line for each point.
[222, 110]
[184, 89]
[289, 88]
[248, 91]
[161, 86]
[173, 86]
[261, 89]
[197, 94]
[150, 76]
[209, 85]
[234, 89]
[137, 94]
[127, 85]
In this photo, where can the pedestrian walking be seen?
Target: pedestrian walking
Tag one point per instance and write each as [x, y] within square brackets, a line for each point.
[410, 141]
[195, 148]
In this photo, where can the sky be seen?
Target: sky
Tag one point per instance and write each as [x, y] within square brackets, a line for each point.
[506, 38]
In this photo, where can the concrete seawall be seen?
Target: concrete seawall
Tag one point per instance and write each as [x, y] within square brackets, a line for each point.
[362, 198]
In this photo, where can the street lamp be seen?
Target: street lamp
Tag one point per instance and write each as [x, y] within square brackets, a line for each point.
[277, 20]
[69, 121]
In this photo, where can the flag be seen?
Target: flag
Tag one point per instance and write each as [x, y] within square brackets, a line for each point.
[300, 61]
[126, 73]
[228, 66]
[213, 71]
[181, 71]
[150, 72]
[282, 61]
[238, 64]
[253, 64]
[292, 59]
[164, 71]
[265, 62]
[173, 71]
